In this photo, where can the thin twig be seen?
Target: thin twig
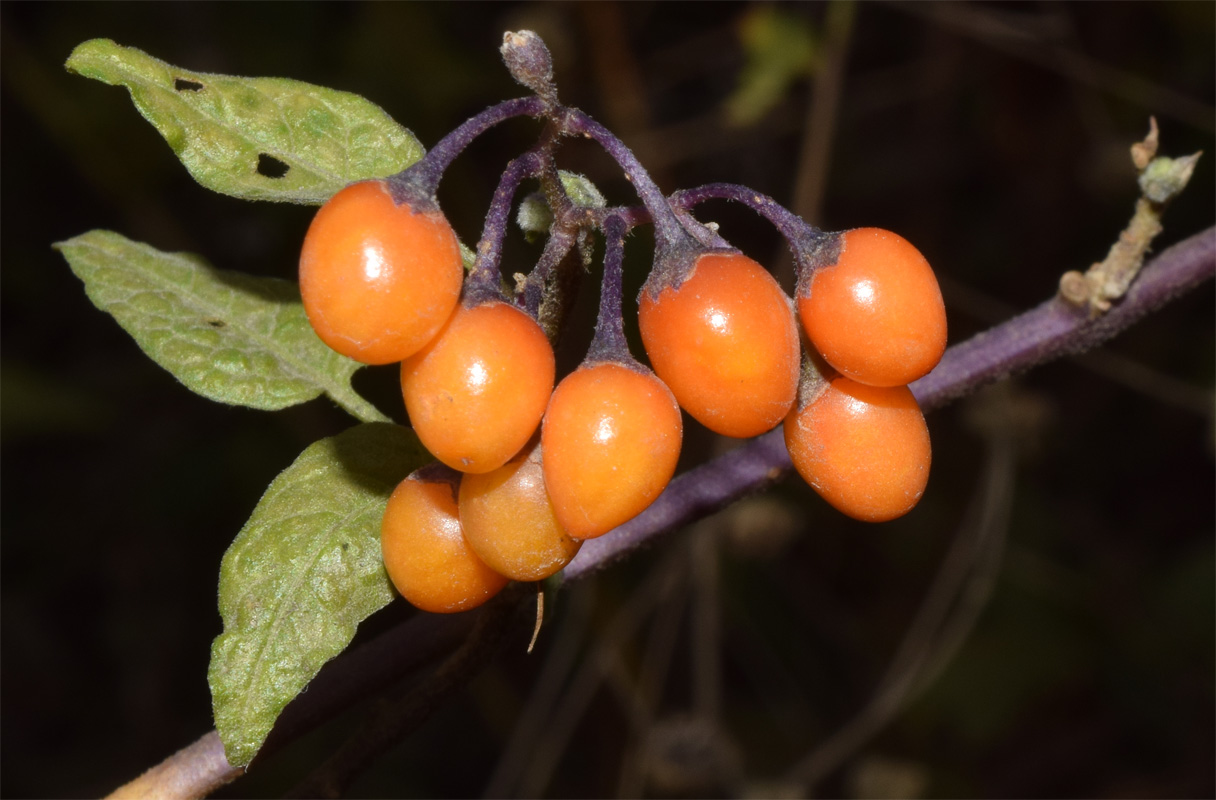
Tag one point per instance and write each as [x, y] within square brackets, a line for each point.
[192, 772]
[1054, 329]
[1162, 387]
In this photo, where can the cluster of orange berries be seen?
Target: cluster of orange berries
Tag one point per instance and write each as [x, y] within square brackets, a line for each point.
[875, 315]
[382, 282]
[723, 336]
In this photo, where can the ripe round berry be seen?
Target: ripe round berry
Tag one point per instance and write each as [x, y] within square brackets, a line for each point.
[509, 521]
[476, 393]
[425, 552]
[864, 449]
[611, 439]
[876, 315]
[726, 343]
[378, 279]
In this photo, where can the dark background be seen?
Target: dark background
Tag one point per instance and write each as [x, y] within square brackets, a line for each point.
[993, 136]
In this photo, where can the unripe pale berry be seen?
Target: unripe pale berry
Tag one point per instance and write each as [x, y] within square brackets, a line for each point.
[378, 279]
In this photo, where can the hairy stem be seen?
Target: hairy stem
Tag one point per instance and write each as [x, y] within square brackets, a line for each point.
[609, 342]
[353, 403]
[420, 180]
[790, 225]
[810, 246]
[194, 771]
[670, 235]
[556, 247]
[1055, 329]
[483, 281]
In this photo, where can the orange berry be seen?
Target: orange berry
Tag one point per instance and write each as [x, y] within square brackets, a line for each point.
[425, 552]
[864, 449]
[726, 343]
[378, 279]
[877, 314]
[476, 393]
[611, 439]
[509, 521]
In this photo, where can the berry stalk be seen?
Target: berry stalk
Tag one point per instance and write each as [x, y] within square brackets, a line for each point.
[609, 343]
[810, 245]
[671, 238]
[484, 278]
[417, 183]
[556, 247]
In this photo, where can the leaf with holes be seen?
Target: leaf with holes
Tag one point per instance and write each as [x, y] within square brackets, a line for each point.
[230, 337]
[255, 138]
[302, 574]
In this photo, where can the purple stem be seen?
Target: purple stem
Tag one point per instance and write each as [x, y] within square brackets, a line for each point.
[670, 235]
[811, 246]
[1055, 329]
[556, 247]
[609, 343]
[791, 226]
[420, 180]
[484, 279]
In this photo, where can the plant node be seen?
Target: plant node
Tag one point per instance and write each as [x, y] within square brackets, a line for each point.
[1161, 180]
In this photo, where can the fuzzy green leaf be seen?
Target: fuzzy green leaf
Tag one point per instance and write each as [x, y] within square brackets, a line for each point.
[225, 128]
[302, 574]
[534, 217]
[581, 190]
[230, 337]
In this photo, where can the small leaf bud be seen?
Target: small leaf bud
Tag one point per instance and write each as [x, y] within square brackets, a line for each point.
[529, 61]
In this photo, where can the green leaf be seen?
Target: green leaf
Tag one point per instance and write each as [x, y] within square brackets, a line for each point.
[302, 574]
[534, 217]
[581, 190]
[223, 128]
[230, 337]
